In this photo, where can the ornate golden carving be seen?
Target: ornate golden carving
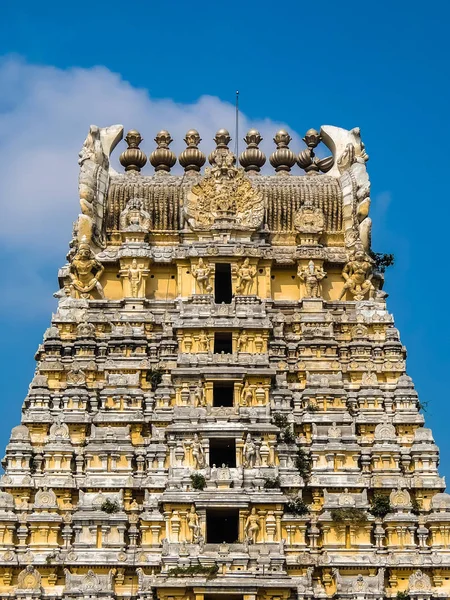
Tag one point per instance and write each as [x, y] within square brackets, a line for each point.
[252, 526]
[246, 274]
[202, 274]
[85, 272]
[224, 197]
[311, 277]
[358, 275]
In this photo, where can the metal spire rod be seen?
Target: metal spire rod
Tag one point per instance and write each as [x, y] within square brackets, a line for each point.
[236, 144]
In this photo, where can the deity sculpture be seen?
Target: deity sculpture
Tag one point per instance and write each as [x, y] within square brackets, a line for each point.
[358, 275]
[193, 525]
[249, 452]
[246, 274]
[198, 454]
[252, 526]
[135, 278]
[203, 342]
[199, 396]
[242, 341]
[311, 276]
[85, 272]
[247, 394]
[202, 274]
[134, 217]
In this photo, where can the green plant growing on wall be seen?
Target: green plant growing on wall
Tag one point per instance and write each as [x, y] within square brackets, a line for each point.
[302, 464]
[297, 506]
[198, 481]
[416, 506]
[380, 506]
[154, 377]
[110, 506]
[280, 420]
[382, 261]
[271, 483]
[348, 515]
[193, 570]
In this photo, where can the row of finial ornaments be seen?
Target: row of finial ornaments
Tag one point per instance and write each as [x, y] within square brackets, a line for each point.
[252, 158]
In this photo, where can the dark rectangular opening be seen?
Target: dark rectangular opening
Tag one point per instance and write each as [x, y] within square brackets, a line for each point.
[222, 452]
[223, 342]
[223, 394]
[222, 284]
[222, 525]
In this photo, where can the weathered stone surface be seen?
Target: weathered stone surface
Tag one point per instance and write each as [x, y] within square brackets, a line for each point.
[222, 353]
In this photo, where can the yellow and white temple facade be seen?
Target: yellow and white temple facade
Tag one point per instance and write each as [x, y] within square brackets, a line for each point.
[220, 407]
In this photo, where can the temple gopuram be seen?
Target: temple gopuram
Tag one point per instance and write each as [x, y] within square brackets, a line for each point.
[220, 408]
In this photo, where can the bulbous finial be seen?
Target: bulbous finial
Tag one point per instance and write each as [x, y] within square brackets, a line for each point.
[283, 159]
[192, 159]
[163, 158]
[252, 158]
[133, 159]
[308, 161]
[312, 138]
[222, 138]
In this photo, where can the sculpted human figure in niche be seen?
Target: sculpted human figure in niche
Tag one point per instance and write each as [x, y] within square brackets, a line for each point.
[135, 278]
[252, 526]
[358, 275]
[85, 272]
[246, 275]
[247, 394]
[199, 395]
[242, 342]
[202, 274]
[134, 217]
[311, 276]
[249, 452]
[203, 342]
[193, 524]
[198, 454]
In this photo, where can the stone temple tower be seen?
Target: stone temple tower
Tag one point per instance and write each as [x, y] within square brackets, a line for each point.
[220, 408]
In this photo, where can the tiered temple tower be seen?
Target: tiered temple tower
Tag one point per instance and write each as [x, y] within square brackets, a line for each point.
[220, 408]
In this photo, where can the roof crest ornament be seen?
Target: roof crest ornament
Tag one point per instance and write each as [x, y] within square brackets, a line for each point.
[224, 197]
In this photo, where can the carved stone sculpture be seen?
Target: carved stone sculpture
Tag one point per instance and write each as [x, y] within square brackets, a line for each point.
[252, 526]
[85, 271]
[311, 275]
[247, 394]
[358, 273]
[93, 178]
[136, 279]
[202, 275]
[29, 580]
[249, 452]
[199, 396]
[198, 454]
[310, 223]
[224, 197]
[203, 342]
[419, 582]
[242, 342]
[134, 217]
[246, 275]
[193, 525]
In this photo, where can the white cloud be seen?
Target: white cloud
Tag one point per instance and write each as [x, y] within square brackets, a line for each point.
[45, 115]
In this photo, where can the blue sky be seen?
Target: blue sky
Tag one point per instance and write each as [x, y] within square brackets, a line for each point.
[382, 66]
